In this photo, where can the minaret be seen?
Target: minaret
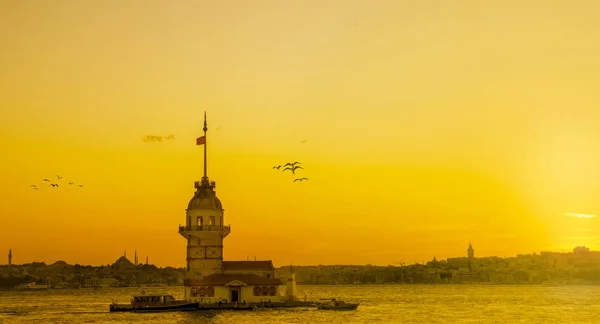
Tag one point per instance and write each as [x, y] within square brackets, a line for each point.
[146, 260]
[471, 254]
[125, 253]
[135, 258]
[204, 228]
[9, 257]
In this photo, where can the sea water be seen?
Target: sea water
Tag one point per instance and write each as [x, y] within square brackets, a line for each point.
[378, 304]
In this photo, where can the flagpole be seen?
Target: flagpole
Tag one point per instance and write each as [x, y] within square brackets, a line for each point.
[205, 178]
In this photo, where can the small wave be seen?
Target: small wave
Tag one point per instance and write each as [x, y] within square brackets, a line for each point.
[84, 312]
[14, 312]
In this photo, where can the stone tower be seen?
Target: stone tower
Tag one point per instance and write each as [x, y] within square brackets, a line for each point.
[471, 254]
[204, 228]
[10, 257]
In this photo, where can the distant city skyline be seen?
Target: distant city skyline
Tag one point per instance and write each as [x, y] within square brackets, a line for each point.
[420, 126]
[394, 263]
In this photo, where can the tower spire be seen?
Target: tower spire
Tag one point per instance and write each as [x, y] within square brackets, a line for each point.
[205, 177]
[205, 129]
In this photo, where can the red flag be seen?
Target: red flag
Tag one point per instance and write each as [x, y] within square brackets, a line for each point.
[201, 140]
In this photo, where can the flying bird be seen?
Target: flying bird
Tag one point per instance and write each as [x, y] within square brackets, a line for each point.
[277, 167]
[293, 168]
[59, 177]
[33, 186]
[292, 163]
[48, 180]
[300, 179]
[71, 183]
[53, 185]
[304, 141]
[81, 185]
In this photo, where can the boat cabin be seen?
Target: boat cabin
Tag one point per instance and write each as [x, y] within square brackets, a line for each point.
[155, 299]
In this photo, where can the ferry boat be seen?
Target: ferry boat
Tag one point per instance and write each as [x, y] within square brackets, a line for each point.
[31, 287]
[154, 303]
[335, 304]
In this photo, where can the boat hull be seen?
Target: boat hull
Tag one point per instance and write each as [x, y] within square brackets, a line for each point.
[153, 308]
[167, 308]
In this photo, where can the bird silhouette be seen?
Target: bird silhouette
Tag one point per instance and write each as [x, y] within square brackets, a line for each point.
[33, 186]
[53, 185]
[277, 167]
[292, 163]
[71, 183]
[304, 141]
[47, 180]
[59, 177]
[81, 185]
[293, 168]
[300, 179]
[36, 188]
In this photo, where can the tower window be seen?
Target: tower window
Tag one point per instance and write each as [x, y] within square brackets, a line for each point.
[199, 221]
[212, 221]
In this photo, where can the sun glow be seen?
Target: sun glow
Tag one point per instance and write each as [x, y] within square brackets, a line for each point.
[580, 215]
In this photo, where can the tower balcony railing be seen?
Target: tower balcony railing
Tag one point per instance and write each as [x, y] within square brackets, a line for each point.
[191, 228]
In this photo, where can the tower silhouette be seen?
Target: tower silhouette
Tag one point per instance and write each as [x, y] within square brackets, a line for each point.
[204, 229]
[471, 255]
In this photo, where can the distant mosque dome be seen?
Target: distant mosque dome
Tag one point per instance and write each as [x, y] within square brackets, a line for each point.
[205, 198]
[123, 263]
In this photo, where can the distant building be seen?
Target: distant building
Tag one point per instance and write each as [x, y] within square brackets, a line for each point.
[581, 250]
[208, 277]
[10, 257]
[123, 263]
[471, 256]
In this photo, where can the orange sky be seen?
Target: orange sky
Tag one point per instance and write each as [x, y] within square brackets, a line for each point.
[428, 125]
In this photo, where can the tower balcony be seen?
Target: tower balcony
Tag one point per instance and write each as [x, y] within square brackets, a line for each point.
[190, 229]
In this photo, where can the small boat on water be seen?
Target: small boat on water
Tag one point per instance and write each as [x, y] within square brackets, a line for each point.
[335, 304]
[154, 303]
[31, 287]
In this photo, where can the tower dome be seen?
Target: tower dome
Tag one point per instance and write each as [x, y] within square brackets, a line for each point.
[205, 198]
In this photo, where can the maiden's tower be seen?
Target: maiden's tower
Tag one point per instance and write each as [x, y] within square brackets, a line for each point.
[210, 279]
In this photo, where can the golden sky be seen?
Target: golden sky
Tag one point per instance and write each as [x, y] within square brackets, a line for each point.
[428, 125]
